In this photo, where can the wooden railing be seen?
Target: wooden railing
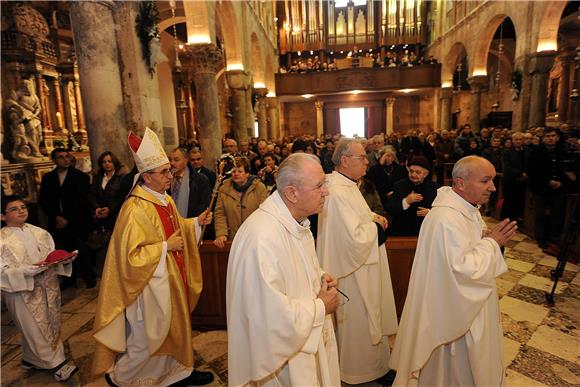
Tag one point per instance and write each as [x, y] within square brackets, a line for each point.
[210, 312]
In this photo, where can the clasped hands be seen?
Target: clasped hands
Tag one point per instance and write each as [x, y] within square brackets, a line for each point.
[381, 220]
[329, 293]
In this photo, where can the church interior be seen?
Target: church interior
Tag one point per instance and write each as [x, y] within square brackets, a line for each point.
[82, 75]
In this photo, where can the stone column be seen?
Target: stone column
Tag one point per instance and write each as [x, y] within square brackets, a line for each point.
[446, 93]
[539, 67]
[566, 62]
[205, 59]
[250, 117]
[273, 118]
[238, 81]
[97, 54]
[319, 105]
[390, 103]
[262, 113]
[477, 84]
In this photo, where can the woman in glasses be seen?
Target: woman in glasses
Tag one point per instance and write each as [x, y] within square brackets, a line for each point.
[32, 291]
[238, 197]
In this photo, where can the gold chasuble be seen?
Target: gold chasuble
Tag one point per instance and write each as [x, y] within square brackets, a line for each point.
[132, 259]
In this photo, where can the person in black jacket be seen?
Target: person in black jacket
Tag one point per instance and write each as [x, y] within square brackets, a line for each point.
[386, 173]
[196, 161]
[548, 182]
[64, 199]
[105, 201]
[190, 190]
[412, 198]
[514, 178]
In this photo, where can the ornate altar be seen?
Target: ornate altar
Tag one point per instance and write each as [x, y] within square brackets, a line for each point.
[41, 101]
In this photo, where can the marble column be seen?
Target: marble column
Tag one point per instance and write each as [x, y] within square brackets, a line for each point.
[100, 79]
[446, 93]
[478, 84]
[206, 58]
[566, 62]
[79, 105]
[238, 81]
[539, 67]
[390, 121]
[61, 122]
[319, 105]
[273, 118]
[262, 113]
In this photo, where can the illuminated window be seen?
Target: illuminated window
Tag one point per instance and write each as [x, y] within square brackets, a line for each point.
[352, 122]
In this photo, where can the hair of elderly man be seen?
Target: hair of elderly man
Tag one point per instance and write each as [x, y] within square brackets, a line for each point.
[342, 148]
[517, 135]
[464, 166]
[290, 172]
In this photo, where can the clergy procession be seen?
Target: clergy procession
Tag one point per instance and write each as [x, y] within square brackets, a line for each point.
[309, 294]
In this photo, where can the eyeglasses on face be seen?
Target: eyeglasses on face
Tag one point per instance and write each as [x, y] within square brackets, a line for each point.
[165, 172]
[17, 208]
[356, 157]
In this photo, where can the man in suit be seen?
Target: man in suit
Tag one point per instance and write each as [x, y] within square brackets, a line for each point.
[196, 162]
[64, 199]
[190, 190]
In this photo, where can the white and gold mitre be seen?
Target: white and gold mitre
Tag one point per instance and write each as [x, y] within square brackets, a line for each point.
[147, 151]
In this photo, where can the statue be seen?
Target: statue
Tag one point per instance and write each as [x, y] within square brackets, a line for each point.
[23, 112]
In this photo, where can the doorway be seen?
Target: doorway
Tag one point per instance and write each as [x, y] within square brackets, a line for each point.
[352, 122]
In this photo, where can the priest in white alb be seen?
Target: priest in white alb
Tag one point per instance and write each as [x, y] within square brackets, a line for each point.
[351, 247]
[450, 332]
[151, 283]
[279, 301]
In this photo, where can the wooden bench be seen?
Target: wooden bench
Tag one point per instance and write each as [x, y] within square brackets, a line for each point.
[210, 312]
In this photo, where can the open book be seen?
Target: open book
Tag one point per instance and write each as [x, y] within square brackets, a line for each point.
[58, 256]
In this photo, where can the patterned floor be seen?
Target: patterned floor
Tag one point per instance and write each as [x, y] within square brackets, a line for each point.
[541, 346]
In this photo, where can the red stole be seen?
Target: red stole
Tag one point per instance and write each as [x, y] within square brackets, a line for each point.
[170, 225]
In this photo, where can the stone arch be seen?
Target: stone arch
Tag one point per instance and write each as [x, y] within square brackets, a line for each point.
[549, 26]
[197, 19]
[167, 23]
[257, 62]
[226, 22]
[485, 39]
[456, 53]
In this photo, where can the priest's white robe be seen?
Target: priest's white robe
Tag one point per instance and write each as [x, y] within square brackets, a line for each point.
[278, 330]
[348, 249]
[33, 300]
[450, 328]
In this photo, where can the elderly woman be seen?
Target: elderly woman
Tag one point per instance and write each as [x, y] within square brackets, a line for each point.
[386, 173]
[237, 198]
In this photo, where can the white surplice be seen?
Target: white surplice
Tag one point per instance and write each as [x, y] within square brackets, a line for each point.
[450, 328]
[278, 332]
[33, 301]
[348, 249]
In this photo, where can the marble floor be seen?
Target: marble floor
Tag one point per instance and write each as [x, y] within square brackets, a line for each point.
[541, 343]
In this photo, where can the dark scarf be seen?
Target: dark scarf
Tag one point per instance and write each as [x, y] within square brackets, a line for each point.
[244, 187]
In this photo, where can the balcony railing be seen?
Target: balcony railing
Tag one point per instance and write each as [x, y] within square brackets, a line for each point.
[372, 79]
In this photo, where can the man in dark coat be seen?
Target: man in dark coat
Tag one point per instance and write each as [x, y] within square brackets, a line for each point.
[412, 198]
[514, 179]
[190, 190]
[548, 182]
[196, 162]
[64, 199]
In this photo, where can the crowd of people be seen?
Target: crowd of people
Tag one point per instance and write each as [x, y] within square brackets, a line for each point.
[313, 63]
[275, 198]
